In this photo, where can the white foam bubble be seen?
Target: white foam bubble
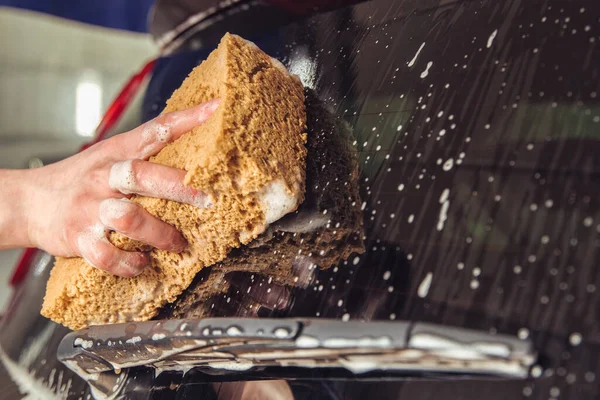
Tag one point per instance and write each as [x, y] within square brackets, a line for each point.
[153, 137]
[88, 239]
[114, 209]
[134, 340]
[306, 342]
[276, 201]
[86, 344]
[122, 177]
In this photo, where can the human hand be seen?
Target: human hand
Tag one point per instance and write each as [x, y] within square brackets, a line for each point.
[78, 201]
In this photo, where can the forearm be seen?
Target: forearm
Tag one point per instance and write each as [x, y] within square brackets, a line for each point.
[15, 199]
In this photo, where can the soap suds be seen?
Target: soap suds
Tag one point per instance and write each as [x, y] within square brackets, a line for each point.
[122, 177]
[86, 344]
[88, 241]
[307, 342]
[134, 340]
[276, 201]
[154, 137]
[114, 209]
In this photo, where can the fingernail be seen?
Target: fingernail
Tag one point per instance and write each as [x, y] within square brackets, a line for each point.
[180, 245]
[133, 269]
[208, 108]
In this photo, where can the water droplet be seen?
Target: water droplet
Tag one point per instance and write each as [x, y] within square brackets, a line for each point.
[460, 266]
[575, 339]
[423, 288]
[448, 164]
[281, 332]
[491, 38]
[400, 187]
[523, 333]
[536, 371]
[386, 275]
[474, 284]
[346, 317]
[545, 239]
[234, 331]
[589, 376]
[517, 269]
[426, 71]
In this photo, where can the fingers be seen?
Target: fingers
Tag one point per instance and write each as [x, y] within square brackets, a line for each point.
[97, 251]
[131, 220]
[149, 138]
[154, 180]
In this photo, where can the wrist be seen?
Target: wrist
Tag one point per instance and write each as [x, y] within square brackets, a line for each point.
[16, 208]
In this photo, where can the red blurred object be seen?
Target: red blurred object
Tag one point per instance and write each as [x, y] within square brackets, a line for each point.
[109, 120]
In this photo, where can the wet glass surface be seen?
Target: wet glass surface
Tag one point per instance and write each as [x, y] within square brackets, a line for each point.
[476, 126]
[474, 131]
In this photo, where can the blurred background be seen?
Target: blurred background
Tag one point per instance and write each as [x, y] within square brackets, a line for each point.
[63, 62]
